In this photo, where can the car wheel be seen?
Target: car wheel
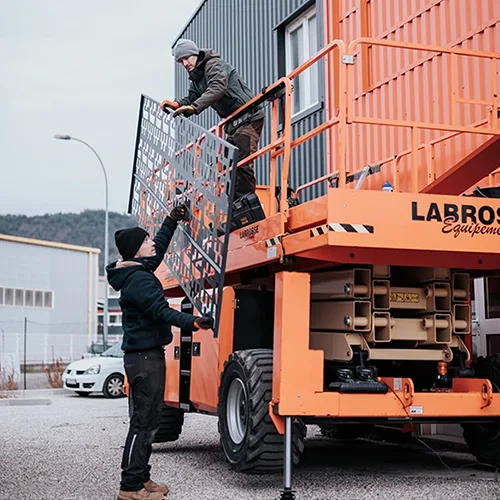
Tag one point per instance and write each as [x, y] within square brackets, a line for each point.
[83, 394]
[113, 386]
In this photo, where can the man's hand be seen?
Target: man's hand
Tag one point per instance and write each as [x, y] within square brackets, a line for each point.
[185, 111]
[178, 213]
[204, 323]
[169, 104]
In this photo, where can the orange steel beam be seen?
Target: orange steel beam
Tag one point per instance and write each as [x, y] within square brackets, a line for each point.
[470, 170]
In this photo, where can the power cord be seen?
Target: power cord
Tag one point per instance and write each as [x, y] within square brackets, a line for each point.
[436, 453]
[462, 466]
[400, 400]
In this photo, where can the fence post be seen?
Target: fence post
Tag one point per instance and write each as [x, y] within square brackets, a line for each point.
[2, 354]
[45, 345]
[25, 341]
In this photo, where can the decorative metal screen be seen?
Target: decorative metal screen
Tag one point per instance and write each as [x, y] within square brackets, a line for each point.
[177, 161]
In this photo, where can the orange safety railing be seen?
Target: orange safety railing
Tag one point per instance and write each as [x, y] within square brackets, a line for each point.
[344, 117]
[415, 126]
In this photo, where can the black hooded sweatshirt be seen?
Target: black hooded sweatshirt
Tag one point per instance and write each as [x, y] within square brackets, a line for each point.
[147, 316]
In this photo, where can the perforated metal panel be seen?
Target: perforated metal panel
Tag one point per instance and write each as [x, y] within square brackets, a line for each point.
[177, 161]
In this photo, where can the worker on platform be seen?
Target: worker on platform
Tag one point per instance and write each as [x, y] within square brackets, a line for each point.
[215, 83]
[147, 321]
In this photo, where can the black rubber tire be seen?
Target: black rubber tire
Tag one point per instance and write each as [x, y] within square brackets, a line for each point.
[105, 389]
[345, 431]
[261, 450]
[484, 439]
[171, 423]
[83, 394]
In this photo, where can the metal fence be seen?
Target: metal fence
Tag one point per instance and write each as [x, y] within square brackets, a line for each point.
[38, 343]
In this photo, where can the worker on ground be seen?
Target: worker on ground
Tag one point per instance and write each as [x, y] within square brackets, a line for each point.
[215, 83]
[147, 319]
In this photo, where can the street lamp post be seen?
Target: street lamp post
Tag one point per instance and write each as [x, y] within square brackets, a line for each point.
[106, 251]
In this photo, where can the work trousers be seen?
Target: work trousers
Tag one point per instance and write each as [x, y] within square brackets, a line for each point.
[146, 377]
[246, 139]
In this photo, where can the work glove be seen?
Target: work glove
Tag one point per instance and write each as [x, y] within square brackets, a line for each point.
[203, 323]
[169, 104]
[185, 111]
[178, 213]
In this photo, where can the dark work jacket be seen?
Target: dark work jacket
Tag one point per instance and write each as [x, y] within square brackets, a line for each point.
[216, 83]
[147, 316]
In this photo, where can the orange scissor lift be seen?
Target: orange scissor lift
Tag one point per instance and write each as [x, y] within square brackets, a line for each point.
[353, 308]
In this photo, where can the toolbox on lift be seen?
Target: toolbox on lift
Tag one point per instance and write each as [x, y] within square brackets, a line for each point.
[246, 210]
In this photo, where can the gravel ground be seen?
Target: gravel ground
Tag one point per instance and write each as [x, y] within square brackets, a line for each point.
[71, 449]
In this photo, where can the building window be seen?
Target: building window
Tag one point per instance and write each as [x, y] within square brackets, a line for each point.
[301, 43]
[115, 319]
[47, 300]
[9, 296]
[29, 298]
[19, 297]
[38, 299]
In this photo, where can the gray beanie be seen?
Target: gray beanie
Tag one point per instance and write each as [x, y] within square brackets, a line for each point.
[185, 48]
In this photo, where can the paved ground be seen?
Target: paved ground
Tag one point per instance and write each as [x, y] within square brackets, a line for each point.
[71, 449]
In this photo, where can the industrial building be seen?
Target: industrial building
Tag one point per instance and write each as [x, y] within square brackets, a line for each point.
[48, 298]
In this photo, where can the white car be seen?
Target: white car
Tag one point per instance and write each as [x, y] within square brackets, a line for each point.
[104, 373]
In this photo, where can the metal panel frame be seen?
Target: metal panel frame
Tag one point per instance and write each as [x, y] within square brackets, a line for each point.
[177, 161]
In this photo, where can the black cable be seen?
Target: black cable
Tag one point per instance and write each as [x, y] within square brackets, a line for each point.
[400, 400]
[436, 453]
[462, 466]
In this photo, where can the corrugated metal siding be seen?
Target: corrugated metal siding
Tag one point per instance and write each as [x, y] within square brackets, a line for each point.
[406, 86]
[242, 32]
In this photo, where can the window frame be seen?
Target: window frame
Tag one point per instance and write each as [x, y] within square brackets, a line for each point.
[11, 289]
[18, 294]
[302, 20]
[118, 317]
[16, 291]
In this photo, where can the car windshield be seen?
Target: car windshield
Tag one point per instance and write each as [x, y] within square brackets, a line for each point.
[114, 351]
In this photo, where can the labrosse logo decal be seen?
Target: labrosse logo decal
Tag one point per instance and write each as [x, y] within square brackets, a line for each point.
[458, 220]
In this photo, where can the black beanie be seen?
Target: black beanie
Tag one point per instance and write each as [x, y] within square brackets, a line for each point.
[129, 240]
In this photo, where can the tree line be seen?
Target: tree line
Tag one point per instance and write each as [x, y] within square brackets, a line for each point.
[84, 229]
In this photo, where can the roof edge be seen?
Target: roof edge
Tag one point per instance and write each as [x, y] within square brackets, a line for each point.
[44, 243]
[189, 21]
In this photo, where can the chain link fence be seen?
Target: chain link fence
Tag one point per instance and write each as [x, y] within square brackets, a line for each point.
[39, 343]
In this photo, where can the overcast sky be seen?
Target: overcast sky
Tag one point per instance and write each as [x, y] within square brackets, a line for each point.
[78, 68]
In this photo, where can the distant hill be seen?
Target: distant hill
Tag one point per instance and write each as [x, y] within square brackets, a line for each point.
[85, 229]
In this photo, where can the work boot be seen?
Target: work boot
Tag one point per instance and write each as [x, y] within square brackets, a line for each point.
[143, 494]
[153, 487]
